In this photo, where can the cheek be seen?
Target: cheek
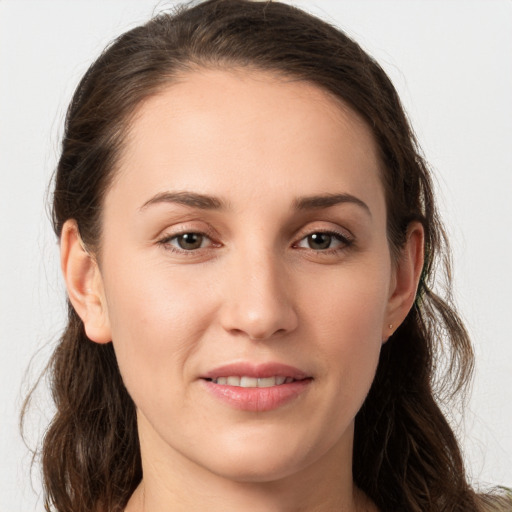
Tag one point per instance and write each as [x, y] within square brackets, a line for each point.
[154, 320]
[346, 317]
[348, 307]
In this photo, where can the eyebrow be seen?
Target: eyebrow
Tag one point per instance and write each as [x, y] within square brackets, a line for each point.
[207, 202]
[192, 199]
[318, 202]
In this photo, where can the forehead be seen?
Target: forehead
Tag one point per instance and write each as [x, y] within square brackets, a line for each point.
[216, 131]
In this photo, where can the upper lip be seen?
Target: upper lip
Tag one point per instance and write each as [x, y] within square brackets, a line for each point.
[260, 370]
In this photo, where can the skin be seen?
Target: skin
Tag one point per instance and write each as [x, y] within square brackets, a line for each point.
[256, 289]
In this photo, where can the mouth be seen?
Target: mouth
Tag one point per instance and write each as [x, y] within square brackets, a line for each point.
[255, 375]
[256, 387]
[245, 381]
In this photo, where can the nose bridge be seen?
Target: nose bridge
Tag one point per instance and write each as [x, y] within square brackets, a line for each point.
[258, 296]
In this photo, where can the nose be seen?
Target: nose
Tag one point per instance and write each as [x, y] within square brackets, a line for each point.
[257, 298]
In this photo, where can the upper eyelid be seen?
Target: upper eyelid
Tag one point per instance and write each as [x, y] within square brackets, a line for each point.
[212, 234]
[344, 240]
[342, 232]
[184, 228]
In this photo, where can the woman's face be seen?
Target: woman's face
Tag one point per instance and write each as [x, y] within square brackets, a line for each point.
[243, 245]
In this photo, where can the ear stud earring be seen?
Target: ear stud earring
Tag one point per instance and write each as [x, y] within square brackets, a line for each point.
[391, 326]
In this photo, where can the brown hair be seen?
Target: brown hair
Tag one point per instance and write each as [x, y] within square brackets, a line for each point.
[406, 456]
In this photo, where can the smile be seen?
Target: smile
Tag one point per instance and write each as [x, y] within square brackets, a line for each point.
[252, 382]
[256, 387]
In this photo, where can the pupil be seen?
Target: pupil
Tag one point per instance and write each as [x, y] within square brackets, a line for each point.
[190, 241]
[319, 241]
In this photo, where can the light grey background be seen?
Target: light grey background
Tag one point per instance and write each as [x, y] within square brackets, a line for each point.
[451, 62]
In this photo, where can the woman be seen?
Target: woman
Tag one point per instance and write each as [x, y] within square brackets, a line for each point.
[248, 234]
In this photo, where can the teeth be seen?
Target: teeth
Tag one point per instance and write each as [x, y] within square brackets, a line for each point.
[248, 382]
[266, 382]
[253, 382]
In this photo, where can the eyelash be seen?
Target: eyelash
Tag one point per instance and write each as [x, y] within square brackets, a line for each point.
[165, 242]
[345, 242]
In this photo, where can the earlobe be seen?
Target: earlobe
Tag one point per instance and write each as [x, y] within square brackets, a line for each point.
[405, 280]
[84, 284]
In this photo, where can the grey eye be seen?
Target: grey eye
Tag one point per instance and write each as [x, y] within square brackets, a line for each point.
[322, 241]
[188, 241]
[319, 241]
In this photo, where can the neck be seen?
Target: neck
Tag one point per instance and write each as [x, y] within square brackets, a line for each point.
[173, 483]
[143, 501]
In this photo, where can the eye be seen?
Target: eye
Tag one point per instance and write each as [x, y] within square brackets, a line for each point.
[187, 241]
[323, 241]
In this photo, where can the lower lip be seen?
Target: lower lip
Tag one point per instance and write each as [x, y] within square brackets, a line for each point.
[258, 399]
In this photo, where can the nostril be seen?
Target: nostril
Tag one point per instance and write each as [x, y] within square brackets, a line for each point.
[265, 336]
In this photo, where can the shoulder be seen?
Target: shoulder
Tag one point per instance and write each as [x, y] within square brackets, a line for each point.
[498, 501]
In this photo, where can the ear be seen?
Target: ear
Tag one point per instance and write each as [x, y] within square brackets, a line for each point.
[84, 284]
[406, 276]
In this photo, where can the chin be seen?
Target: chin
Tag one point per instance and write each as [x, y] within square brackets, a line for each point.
[264, 469]
[264, 460]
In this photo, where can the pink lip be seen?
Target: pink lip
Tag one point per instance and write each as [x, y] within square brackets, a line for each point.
[257, 399]
[256, 371]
